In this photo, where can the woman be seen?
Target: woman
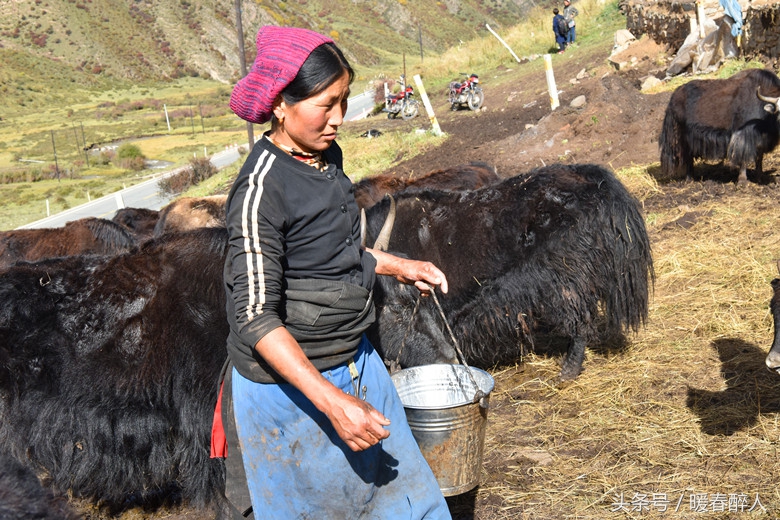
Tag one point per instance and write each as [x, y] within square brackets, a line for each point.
[322, 431]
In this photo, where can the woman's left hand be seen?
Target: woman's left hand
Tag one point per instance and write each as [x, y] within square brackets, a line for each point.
[424, 275]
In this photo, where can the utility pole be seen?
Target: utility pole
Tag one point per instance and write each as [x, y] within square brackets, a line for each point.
[403, 87]
[167, 120]
[419, 37]
[56, 164]
[84, 140]
[76, 135]
[242, 58]
[192, 121]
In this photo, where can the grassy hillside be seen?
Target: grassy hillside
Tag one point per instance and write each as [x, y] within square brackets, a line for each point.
[54, 111]
[48, 46]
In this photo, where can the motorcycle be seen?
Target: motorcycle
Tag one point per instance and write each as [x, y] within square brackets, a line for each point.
[467, 93]
[402, 103]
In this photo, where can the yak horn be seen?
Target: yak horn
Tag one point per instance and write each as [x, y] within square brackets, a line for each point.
[363, 227]
[765, 98]
[778, 266]
[383, 240]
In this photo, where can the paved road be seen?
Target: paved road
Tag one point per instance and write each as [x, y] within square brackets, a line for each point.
[147, 194]
[360, 106]
[144, 195]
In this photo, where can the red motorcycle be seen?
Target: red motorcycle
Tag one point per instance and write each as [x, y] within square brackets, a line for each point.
[467, 93]
[402, 103]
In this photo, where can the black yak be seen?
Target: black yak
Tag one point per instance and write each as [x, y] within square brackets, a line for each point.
[561, 249]
[470, 176]
[84, 236]
[109, 369]
[109, 366]
[734, 118]
[139, 222]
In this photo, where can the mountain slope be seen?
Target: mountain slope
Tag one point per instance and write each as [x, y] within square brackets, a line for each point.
[91, 41]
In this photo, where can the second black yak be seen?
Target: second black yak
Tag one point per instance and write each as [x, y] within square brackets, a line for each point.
[561, 249]
[734, 118]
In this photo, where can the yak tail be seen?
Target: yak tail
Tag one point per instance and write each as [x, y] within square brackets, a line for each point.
[626, 303]
[618, 253]
[670, 142]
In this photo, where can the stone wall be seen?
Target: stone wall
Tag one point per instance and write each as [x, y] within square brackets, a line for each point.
[762, 32]
[668, 22]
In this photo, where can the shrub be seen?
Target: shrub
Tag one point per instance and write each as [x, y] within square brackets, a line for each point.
[129, 157]
[128, 151]
[200, 169]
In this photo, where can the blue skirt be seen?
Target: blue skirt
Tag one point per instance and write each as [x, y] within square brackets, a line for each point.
[297, 467]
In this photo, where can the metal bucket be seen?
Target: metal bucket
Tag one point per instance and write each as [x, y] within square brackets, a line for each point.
[446, 420]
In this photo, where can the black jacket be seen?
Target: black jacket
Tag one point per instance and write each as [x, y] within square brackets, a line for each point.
[294, 260]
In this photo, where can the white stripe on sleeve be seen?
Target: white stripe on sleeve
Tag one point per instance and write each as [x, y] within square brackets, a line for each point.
[252, 249]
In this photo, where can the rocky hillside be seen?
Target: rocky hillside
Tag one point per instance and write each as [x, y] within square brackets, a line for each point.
[138, 40]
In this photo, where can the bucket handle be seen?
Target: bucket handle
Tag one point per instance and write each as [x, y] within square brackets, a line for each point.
[479, 395]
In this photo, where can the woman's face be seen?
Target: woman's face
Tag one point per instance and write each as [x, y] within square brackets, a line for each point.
[310, 125]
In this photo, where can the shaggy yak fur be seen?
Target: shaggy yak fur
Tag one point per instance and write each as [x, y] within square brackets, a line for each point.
[716, 119]
[470, 176]
[94, 236]
[190, 213]
[109, 369]
[22, 497]
[558, 250]
[138, 221]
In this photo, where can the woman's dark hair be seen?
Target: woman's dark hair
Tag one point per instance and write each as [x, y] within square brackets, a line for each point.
[325, 64]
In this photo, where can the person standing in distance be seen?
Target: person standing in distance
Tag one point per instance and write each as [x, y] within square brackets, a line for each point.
[560, 28]
[321, 428]
[570, 13]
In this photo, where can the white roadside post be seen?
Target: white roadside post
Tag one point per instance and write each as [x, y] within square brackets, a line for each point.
[494, 33]
[554, 103]
[427, 104]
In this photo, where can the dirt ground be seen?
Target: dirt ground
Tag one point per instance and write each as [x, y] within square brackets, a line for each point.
[618, 127]
[516, 130]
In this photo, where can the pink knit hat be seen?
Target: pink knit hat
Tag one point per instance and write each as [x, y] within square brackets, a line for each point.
[280, 53]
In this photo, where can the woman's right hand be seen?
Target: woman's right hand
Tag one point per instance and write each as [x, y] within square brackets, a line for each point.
[356, 422]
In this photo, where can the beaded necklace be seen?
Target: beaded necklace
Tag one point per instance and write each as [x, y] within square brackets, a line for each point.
[315, 160]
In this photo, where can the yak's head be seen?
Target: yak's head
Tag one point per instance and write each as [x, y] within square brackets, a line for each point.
[772, 103]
